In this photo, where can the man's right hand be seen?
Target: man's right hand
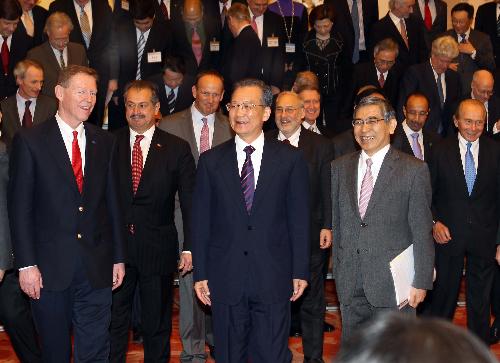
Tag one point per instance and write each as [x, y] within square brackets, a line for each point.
[202, 291]
[441, 233]
[30, 280]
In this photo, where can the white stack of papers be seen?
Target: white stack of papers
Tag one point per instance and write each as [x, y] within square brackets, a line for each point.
[403, 272]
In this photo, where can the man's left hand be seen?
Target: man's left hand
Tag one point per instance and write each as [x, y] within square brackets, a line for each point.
[298, 288]
[325, 238]
[416, 296]
[185, 263]
[118, 274]
[466, 48]
[497, 257]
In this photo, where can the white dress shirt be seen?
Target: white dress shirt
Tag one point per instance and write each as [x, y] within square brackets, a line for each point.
[57, 54]
[260, 25]
[167, 4]
[294, 138]
[443, 81]
[138, 35]
[88, 10]
[256, 156]
[67, 135]
[9, 41]
[221, 5]
[377, 159]
[408, 133]
[495, 130]
[432, 8]
[196, 116]
[312, 127]
[21, 106]
[379, 73]
[397, 22]
[362, 41]
[462, 144]
[145, 143]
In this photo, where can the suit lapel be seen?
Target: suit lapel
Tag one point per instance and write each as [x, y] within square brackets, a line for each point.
[231, 176]
[352, 181]
[151, 161]
[188, 131]
[39, 110]
[124, 160]
[483, 162]
[218, 130]
[306, 144]
[90, 158]
[268, 166]
[456, 158]
[11, 113]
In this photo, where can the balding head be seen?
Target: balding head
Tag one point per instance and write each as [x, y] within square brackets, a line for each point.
[193, 11]
[482, 85]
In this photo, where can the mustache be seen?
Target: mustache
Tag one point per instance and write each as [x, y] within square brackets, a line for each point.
[137, 116]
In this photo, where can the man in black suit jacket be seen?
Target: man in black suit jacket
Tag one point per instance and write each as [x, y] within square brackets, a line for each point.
[404, 30]
[318, 152]
[410, 135]
[311, 97]
[126, 63]
[173, 86]
[164, 167]
[29, 77]
[259, 261]
[33, 18]
[382, 72]
[433, 21]
[437, 82]
[486, 22]
[476, 51]
[466, 214]
[482, 90]
[355, 40]
[14, 44]
[67, 230]
[204, 53]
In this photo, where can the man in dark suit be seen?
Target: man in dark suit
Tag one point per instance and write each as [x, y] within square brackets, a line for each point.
[140, 44]
[197, 38]
[14, 44]
[66, 223]
[153, 166]
[173, 86]
[57, 52]
[195, 320]
[381, 206]
[476, 51]
[243, 59]
[432, 15]
[318, 152]
[482, 90]
[404, 30]
[410, 136]
[487, 22]
[354, 25]
[382, 72]
[15, 311]
[311, 98]
[15, 115]
[33, 20]
[91, 20]
[250, 269]
[466, 218]
[437, 82]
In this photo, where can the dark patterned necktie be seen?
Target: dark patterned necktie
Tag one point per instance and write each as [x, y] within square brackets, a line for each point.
[247, 178]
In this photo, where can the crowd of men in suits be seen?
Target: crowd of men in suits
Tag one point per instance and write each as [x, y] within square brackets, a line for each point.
[97, 217]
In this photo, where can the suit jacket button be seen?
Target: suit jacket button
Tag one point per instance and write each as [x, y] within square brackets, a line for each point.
[364, 225]
[79, 236]
[245, 253]
[80, 209]
[250, 228]
[357, 251]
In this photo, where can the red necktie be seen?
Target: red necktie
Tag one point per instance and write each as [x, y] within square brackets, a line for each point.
[164, 10]
[427, 16]
[76, 162]
[4, 54]
[137, 162]
[254, 26]
[196, 45]
[381, 80]
[28, 118]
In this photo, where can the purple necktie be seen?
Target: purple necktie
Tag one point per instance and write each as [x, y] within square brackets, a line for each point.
[417, 150]
[366, 189]
[247, 178]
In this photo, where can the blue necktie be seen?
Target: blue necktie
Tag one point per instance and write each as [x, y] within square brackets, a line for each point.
[247, 178]
[355, 24]
[470, 169]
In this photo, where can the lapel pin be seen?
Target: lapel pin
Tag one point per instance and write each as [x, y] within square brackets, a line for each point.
[93, 142]
[158, 145]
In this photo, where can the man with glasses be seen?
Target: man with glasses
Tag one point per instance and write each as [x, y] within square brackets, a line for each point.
[318, 152]
[251, 233]
[465, 171]
[381, 201]
[482, 87]
[410, 136]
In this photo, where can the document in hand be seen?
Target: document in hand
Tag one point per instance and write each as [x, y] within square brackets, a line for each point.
[402, 269]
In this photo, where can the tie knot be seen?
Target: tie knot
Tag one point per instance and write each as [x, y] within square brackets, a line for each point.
[469, 144]
[249, 150]
[426, 2]
[28, 103]
[415, 135]
[138, 138]
[75, 135]
[369, 162]
[205, 121]
[4, 38]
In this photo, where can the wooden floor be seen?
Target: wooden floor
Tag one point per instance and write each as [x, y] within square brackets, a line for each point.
[331, 344]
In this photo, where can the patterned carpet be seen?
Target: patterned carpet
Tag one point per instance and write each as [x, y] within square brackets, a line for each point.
[331, 345]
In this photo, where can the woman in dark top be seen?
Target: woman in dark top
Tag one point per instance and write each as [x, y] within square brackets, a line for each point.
[324, 55]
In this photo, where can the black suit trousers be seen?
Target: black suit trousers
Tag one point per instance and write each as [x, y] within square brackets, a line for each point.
[155, 292]
[495, 295]
[15, 315]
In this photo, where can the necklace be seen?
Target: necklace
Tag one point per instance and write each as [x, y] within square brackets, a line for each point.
[288, 35]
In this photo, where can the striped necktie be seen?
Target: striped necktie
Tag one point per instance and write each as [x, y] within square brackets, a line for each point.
[366, 189]
[141, 43]
[85, 26]
[247, 178]
[171, 102]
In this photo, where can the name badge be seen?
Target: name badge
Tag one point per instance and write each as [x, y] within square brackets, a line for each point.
[290, 48]
[125, 5]
[214, 46]
[154, 57]
[272, 42]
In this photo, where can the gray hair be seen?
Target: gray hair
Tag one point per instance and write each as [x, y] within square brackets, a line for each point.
[267, 94]
[293, 94]
[384, 106]
[445, 46]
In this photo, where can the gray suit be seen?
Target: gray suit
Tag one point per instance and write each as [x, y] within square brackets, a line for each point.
[45, 108]
[398, 214]
[484, 58]
[195, 326]
[46, 57]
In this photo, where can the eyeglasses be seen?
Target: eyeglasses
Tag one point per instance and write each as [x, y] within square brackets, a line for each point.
[289, 110]
[469, 123]
[417, 113]
[382, 62]
[370, 121]
[247, 107]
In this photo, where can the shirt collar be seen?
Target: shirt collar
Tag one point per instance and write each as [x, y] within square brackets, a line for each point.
[147, 134]
[409, 131]
[464, 142]
[394, 18]
[294, 138]
[197, 115]
[258, 143]
[67, 129]
[21, 98]
[378, 157]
